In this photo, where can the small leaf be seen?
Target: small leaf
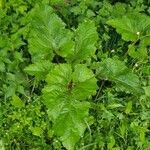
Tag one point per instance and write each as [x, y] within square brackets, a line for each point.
[147, 91]
[2, 67]
[113, 106]
[17, 102]
[111, 142]
[123, 128]
[37, 131]
[2, 145]
[128, 107]
[142, 135]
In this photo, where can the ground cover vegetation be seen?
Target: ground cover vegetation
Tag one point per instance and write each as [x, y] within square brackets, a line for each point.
[74, 75]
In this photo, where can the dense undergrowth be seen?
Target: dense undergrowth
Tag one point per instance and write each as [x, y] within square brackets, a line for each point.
[74, 74]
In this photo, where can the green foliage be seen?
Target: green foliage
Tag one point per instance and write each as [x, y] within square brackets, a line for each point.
[85, 41]
[133, 26]
[74, 75]
[115, 70]
[48, 35]
[39, 69]
[66, 106]
[17, 102]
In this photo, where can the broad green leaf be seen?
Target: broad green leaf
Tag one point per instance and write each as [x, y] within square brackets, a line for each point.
[71, 123]
[48, 34]
[115, 70]
[39, 69]
[83, 81]
[85, 42]
[17, 102]
[132, 26]
[66, 106]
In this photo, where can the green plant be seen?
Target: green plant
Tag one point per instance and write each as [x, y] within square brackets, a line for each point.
[74, 75]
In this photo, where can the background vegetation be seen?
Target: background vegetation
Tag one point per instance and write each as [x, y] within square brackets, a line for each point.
[74, 74]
